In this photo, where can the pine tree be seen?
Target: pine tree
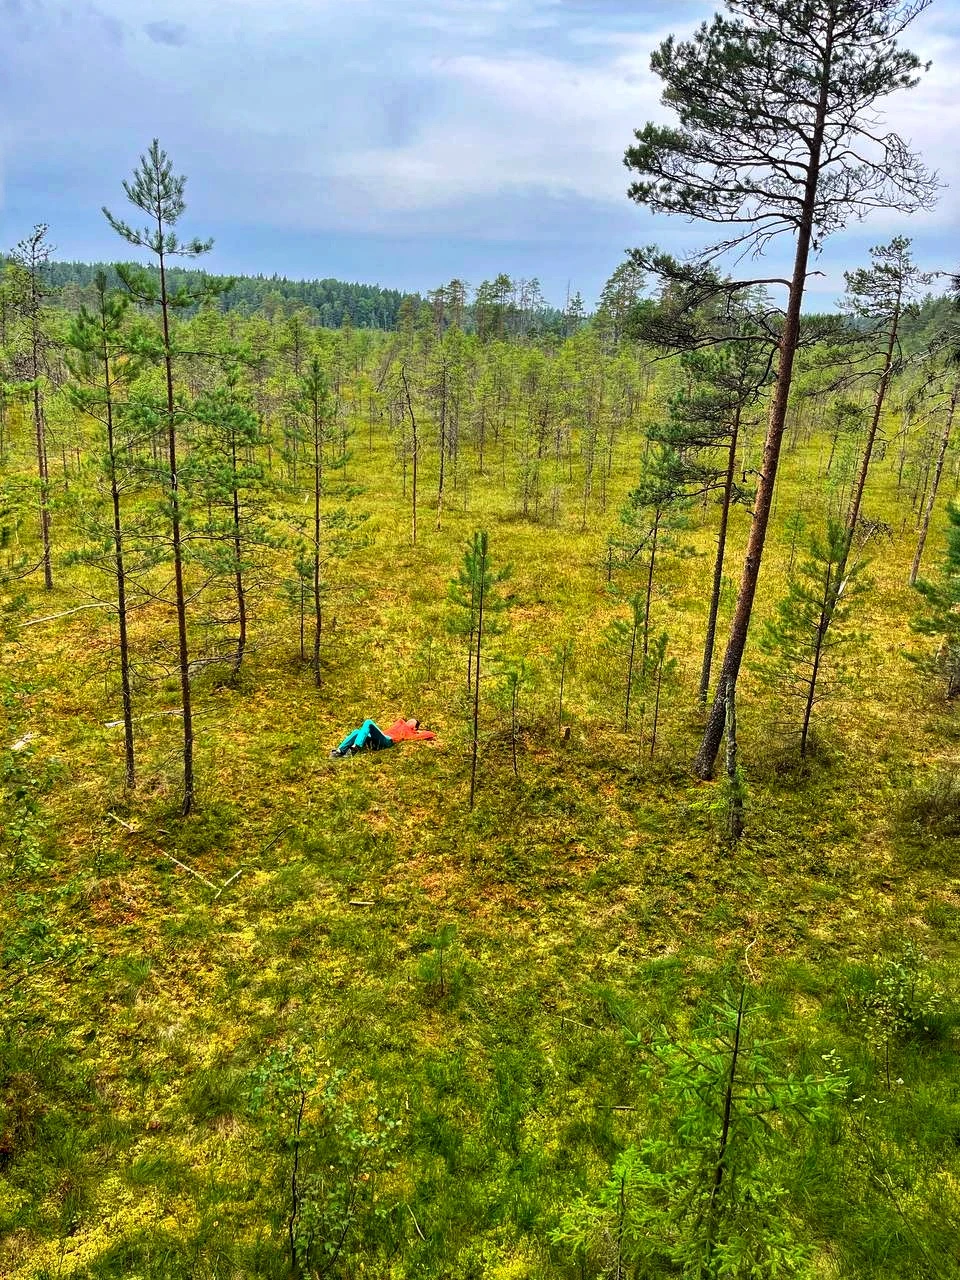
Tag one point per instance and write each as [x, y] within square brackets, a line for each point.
[945, 390]
[104, 359]
[720, 395]
[701, 1191]
[314, 413]
[941, 617]
[618, 299]
[31, 256]
[654, 517]
[878, 296]
[818, 68]
[624, 637]
[229, 480]
[158, 192]
[658, 670]
[474, 590]
[518, 675]
[811, 629]
[563, 657]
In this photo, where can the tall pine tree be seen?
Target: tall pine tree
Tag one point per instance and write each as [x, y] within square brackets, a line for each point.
[157, 192]
[777, 134]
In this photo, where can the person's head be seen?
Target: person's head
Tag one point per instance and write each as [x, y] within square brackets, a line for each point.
[414, 724]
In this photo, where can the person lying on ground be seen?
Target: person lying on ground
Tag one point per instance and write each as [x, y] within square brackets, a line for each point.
[370, 737]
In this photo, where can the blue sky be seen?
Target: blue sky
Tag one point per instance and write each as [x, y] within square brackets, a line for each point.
[394, 141]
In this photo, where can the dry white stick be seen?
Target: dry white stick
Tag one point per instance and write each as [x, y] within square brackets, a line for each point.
[126, 825]
[52, 617]
[208, 883]
[416, 1223]
[227, 883]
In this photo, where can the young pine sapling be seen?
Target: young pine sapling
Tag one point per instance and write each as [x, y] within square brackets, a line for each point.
[474, 590]
[808, 637]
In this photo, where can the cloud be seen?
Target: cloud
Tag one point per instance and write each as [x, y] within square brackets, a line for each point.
[172, 33]
[928, 117]
[34, 19]
[483, 122]
[519, 123]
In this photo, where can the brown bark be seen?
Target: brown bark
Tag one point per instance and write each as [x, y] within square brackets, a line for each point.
[736, 644]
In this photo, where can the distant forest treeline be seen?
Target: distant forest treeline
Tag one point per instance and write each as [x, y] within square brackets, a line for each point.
[501, 308]
[504, 306]
[367, 305]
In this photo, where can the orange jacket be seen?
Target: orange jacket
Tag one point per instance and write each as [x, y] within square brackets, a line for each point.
[403, 732]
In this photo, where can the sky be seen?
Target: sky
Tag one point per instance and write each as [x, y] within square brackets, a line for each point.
[399, 142]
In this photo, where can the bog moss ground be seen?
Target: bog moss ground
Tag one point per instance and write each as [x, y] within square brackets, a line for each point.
[469, 974]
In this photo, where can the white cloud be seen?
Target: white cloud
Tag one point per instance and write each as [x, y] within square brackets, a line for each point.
[452, 118]
[929, 117]
[516, 123]
[530, 120]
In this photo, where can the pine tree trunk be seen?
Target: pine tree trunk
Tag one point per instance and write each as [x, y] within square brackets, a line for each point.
[633, 651]
[181, 603]
[721, 1165]
[735, 811]
[130, 772]
[656, 707]
[904, 432]
[646, 609]
[711, 635]
[39, 427]
[40, 431]
[443, 448]
[856, 500]
[414, 457]
[513, 731]
[737, 642]
[830, 596]
[238, 564]
[856, 496]
[935, 484]
[473, 633]
[476, 683]
[317, 604]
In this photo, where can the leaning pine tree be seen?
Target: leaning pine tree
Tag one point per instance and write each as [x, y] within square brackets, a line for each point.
[777, 134]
